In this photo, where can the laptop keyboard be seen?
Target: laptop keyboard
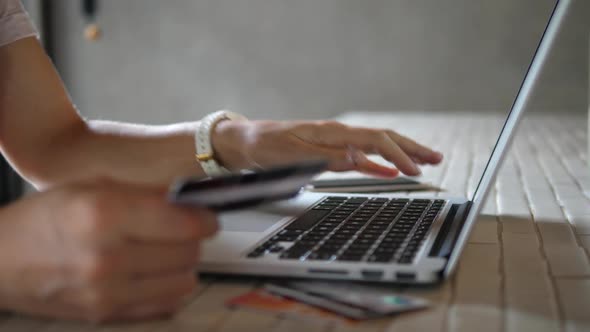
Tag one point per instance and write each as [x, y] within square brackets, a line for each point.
[356, 229]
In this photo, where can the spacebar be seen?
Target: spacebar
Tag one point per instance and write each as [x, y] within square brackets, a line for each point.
[308, 220]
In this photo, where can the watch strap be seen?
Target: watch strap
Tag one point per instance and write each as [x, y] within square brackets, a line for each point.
[205, 154]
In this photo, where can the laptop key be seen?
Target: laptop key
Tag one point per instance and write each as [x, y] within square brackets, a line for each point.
[319, 256]
[312, 237]
[276, 249]
[380, 258]
[350, 258]
[330, 225]
[357, 250]
[327, 207]
[255, 254]
[319, 233]
[292, 255]
[357, 200]
[329, 247]
[405, 261]
[301, 249]
[391, 241]
[352, 226]
[338, 236]
[306, 243]
[335, 199]
[385, 250]
[395, 236]
[336, 240]
[308, 220]
[323, 228]
[346, 232]
[360, 246]
[369, 236]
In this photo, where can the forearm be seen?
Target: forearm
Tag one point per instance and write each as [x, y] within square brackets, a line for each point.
[123, 151]
[49, 143]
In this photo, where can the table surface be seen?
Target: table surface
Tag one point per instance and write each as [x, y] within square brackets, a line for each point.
[525, 268]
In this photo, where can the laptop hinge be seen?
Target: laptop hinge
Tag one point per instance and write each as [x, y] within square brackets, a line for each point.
[450, 230]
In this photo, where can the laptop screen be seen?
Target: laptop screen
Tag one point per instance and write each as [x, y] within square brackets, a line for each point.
[520, 104]
[507, 132]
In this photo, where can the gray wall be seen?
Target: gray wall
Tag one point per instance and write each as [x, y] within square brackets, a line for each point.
[164, 61]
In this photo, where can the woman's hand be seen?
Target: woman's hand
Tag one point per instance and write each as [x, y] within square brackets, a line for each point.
[99, 252]
[247, 144]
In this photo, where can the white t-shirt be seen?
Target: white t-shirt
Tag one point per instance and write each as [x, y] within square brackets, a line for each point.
[14, 22]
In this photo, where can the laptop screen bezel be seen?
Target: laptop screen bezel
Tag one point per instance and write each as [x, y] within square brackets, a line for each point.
[506, 136]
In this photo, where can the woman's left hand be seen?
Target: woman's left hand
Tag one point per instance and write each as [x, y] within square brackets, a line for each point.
[260, 144]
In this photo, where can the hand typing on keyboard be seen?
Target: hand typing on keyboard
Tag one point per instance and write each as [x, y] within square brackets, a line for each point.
[247, 144]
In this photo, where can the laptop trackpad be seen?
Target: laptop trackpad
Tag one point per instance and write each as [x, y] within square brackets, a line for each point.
[248, 221]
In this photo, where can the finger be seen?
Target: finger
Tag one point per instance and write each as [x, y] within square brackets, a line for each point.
[367, 166]
[166, 288]
[416, 150]
[372, 140]
[49, 310]
[341, 157]
[337, 157]
[402, 155]
[389, 150]
[143, 259]
[417, 161]
[134, 297]
[150, 311]
[143, 213]
[337, 135]
[157, 220]
[341, 160]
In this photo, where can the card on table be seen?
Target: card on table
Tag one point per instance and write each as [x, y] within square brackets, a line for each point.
[309, 298]
[351, 300]
[263, 301]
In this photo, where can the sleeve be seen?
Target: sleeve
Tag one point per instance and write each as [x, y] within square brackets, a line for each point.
[14, 22]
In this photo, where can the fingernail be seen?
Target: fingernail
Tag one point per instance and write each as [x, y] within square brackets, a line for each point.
[417, 170]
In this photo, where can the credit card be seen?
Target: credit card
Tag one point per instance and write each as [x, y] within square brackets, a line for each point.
[262, 301]
[372, 302]
[342, 309]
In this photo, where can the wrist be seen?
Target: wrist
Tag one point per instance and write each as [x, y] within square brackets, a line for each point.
[226, 141]
[206, 156]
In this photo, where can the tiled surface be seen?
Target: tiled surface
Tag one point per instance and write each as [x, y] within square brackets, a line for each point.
[526, 267]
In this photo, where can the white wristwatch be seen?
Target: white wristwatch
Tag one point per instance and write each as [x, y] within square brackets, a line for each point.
[205, 154]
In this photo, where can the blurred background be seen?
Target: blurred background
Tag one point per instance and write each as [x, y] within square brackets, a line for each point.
[166, 61]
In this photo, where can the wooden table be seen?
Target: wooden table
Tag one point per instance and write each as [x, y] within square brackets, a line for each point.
[526, 267]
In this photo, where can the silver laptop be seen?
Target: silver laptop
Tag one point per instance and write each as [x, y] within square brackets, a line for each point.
[364, 237]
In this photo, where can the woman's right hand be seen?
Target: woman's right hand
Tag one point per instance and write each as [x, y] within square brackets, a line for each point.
[100, 252]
